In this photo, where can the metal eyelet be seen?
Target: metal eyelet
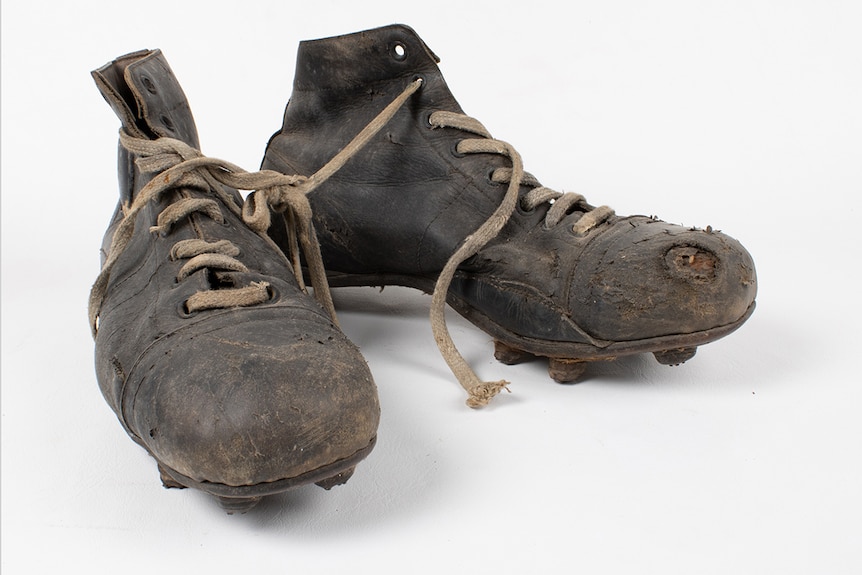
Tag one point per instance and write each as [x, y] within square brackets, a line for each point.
[490, 178]
[524, 211]
[273, 293]
[398, 51]
[426, 120]
[183, 310]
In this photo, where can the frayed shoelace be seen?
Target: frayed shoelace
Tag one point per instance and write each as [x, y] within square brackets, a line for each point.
[481, 392]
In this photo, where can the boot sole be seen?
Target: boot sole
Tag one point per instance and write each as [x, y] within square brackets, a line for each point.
[567, 360]
[241, 498]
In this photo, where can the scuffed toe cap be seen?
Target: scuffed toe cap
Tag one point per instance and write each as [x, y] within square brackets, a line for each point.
[646, 278]
[252, 400]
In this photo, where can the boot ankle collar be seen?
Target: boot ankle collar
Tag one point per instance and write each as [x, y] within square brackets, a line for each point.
[146, 96]
[361, 58]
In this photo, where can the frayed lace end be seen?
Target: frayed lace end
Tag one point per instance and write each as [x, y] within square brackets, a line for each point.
[482, 394]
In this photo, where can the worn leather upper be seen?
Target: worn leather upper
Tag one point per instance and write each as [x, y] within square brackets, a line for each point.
[404, 203]
[236, 396]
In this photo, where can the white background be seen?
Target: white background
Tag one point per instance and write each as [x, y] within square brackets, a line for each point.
[743, 115]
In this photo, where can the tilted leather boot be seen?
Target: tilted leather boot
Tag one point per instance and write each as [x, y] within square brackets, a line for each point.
[434, 202]
[210, 353]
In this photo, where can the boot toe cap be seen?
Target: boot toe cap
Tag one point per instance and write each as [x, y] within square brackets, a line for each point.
[256, 401]
[652, 279]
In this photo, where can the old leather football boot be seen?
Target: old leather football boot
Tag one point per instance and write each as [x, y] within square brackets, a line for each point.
[434, 202]
[208, 349]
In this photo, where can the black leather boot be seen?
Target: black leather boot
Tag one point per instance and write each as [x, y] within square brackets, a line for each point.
[434, 202]
[213, 358]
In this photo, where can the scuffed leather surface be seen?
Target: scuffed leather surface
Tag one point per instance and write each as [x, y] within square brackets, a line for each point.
[404, 203]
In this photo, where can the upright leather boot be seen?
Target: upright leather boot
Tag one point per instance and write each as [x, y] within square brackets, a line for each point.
[232, 377]
[435, 203]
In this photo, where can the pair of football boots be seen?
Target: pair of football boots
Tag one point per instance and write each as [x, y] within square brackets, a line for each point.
[218, 361]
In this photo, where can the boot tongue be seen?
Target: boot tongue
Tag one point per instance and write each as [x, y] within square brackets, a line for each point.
[355, 60]
[144, 93]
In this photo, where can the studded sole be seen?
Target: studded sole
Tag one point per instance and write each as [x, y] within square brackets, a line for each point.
[241, 498]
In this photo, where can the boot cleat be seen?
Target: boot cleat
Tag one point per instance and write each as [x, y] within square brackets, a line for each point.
[234, 505]
[507, 354]
[336, 480]
[434, 202]
[565, 370]
[675, 356]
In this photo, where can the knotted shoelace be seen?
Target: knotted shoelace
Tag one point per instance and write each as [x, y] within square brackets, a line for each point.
[179, 165]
